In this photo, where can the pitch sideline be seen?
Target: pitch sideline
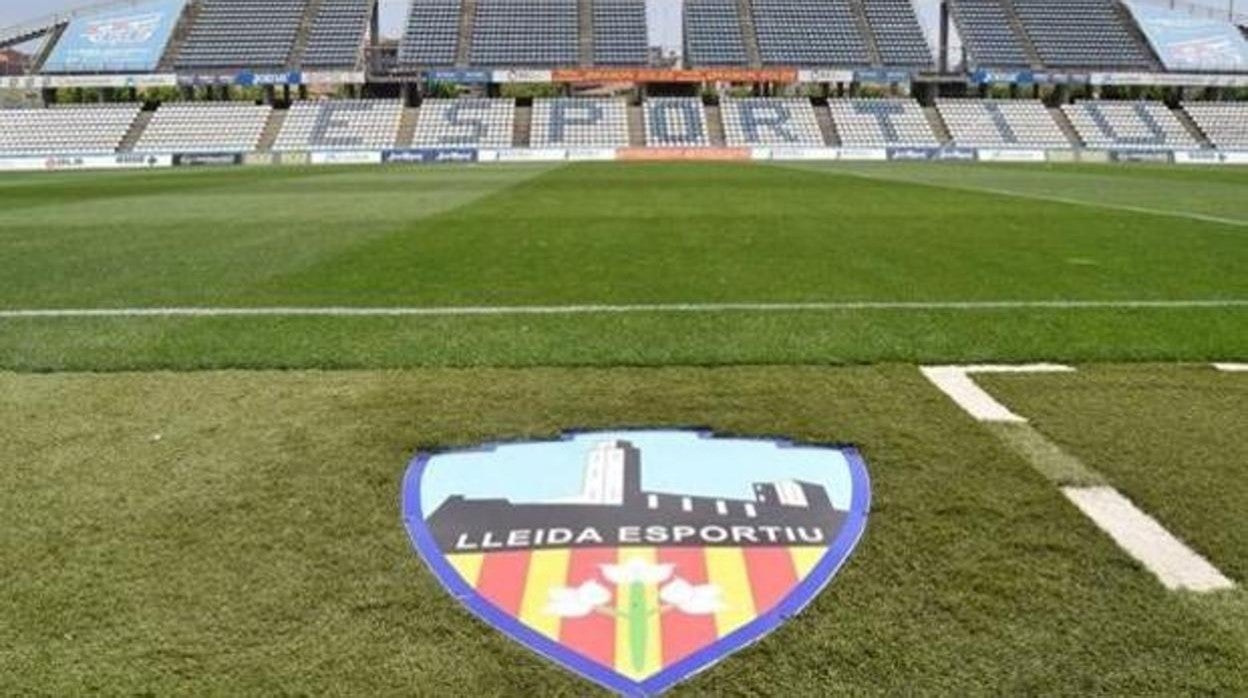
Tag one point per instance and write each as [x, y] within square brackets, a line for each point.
[620, 309]
[1169, 559]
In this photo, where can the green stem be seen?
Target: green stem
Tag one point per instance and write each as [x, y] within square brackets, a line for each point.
[638, 624]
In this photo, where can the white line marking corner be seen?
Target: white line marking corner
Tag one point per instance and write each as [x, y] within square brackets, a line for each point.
[956, 382]
[1232, 368]
[1177, 566]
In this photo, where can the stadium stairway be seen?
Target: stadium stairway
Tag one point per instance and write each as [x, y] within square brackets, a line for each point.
[1137, 35]
[407, 127]
[136, 131]
[1068, 129]
[522, 127]
[272, 128]
[585, 19]
[305, 32]
[50, 40]
[467, 16]
[715, 127]
[190, 14]
[636, 126]
[823, 116]
[1016, 24]
[864, 28]
[1192, 127]
[749, 33]
[938, 125]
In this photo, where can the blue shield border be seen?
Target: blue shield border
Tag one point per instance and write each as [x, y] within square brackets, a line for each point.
[805, 592]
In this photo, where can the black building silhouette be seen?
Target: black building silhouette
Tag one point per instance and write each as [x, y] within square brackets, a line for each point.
[787, 513]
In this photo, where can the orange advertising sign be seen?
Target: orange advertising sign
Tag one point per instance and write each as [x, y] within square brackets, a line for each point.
[596, 75]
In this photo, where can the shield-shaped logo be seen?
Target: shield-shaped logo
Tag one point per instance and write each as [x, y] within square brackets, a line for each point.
[637, 558]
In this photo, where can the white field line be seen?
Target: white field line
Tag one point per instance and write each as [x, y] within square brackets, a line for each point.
[956, 382]
[1206, 218]
[610, 309]
[1232, 368]
[1140, 535]
[1177, 566]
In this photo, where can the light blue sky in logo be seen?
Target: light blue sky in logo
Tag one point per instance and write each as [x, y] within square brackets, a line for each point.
[680, 462]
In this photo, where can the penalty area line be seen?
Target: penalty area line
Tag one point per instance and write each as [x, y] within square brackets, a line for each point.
[1142, 537]
[620, 309]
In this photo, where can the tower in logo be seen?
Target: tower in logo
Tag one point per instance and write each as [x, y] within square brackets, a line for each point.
[639, 558]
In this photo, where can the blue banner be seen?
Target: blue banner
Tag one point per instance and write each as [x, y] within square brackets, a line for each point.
[430, 155]
[461, 77]
[1184, 42]
[126, 39]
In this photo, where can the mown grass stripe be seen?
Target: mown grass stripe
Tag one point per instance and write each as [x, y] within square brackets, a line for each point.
[606, 309]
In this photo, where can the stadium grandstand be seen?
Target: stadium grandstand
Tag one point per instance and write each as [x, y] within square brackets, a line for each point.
[774, 75]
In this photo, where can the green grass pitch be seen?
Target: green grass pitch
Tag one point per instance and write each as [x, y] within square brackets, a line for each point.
[208, 505]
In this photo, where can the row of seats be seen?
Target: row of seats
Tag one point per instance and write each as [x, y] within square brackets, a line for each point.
[338, 33]
[234, 34]
[524, 33]
[605, 123]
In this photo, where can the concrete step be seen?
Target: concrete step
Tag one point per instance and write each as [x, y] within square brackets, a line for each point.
[305, 32]
[636, 127]
[407, 127]
[937, 122]
[190, 14]
[1016, 24]
[873, 46]
[522, 130]
[715, 127]
[1192, 128]
[136, 131]
[467, 17]
[1067, 128]
[823, 115]
[272, 129]
[750, 33]
[585, 10]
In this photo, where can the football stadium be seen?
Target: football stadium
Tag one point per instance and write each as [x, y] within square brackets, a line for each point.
[633, 347]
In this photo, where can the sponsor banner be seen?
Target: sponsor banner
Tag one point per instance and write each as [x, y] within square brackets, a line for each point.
[334, 78]
[883, 76]
[431, 156]
[530, 76]
[1141, 156]
[636, 559]
[599, 75]
[1008, 155]
[332, 157]
[462, 77]
[39, 82]
[1098, 156]
[591, 154]
[1184, 42]
[660, 154]
[957, 154]
[1198, 157]
[799, 154]
[129, 37]
[1236, 158]
[824, 75]
[1061, 155]
[244, 79]
[260, 159]
[872, 154]
[1169, 79]
[124, 161]
[530, 155]
[1025, 77]
[296, 158]
[207, 159]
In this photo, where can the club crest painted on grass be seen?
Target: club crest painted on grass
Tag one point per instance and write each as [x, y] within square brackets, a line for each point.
[637, 558]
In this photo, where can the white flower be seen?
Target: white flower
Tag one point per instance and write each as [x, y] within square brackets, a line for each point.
[637, 570]
[693, 600]
[577, 602]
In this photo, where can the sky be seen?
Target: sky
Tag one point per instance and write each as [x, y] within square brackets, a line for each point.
[664, 14]
[673, 462]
